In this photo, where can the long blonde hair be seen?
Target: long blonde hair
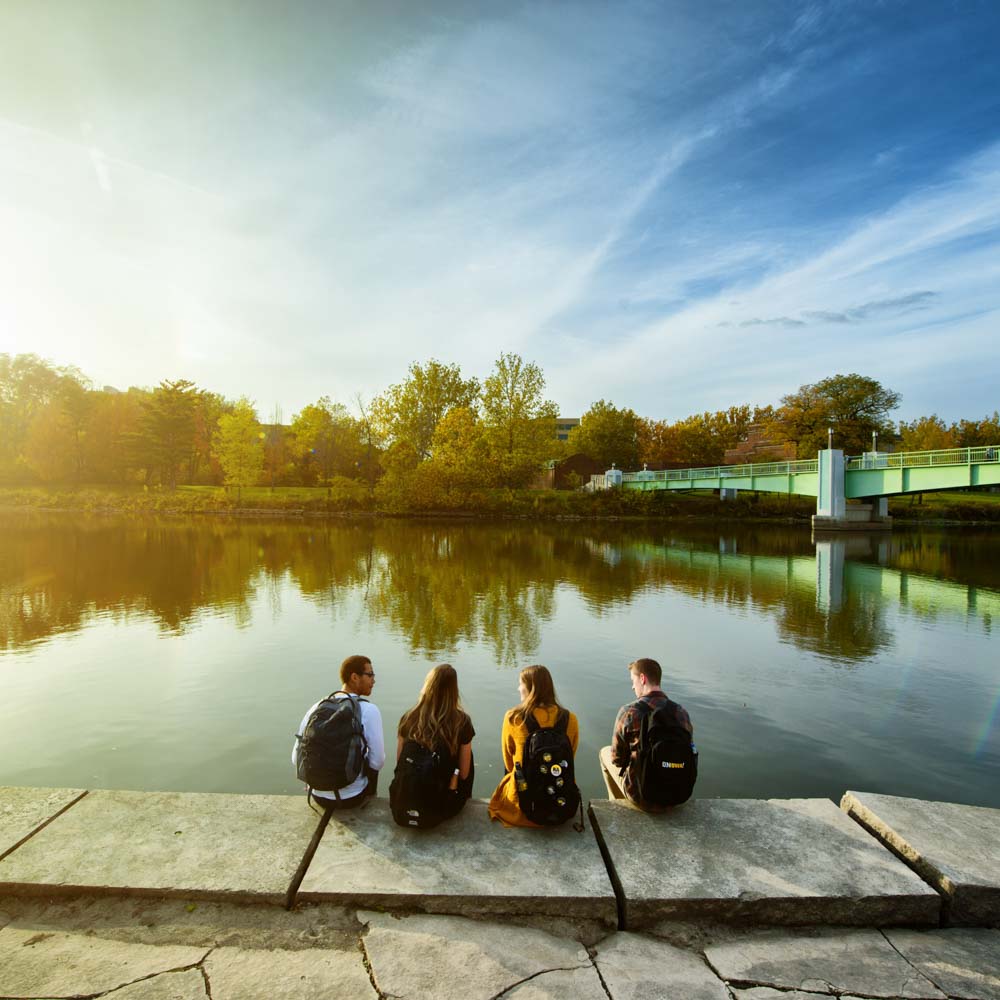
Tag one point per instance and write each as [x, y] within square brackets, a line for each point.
[541, 693]
[438, 715]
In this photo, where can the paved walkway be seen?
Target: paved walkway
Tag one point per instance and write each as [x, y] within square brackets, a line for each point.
[170, 950]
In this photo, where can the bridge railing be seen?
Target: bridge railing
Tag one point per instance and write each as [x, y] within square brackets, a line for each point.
[718, 472]
[922, 459]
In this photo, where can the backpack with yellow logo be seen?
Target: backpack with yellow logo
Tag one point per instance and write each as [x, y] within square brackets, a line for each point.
[665, 766]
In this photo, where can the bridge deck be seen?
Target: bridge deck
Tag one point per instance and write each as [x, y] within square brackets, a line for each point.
[871, 475]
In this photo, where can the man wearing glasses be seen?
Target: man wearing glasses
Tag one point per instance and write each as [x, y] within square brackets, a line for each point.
[345, 739]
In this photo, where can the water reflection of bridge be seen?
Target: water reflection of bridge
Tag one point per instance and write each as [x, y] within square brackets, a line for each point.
[844, 566]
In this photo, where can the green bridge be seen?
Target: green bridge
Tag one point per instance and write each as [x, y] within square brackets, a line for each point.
[832, 479]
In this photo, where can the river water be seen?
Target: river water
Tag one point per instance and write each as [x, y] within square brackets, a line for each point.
[180, 654]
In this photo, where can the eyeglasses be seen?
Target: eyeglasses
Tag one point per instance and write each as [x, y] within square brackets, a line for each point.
[368, 673]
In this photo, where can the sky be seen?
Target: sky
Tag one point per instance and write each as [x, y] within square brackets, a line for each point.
[675, 206]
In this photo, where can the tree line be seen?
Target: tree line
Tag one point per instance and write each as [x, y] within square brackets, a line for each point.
[437, 435]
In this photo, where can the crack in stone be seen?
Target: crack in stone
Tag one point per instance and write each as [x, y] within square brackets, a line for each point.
[592, 952]
[534, 975]
[122, 986]
[919, 972]
[204, 974]
[370, 969]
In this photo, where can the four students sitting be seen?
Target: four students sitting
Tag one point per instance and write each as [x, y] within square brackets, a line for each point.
[652, 762]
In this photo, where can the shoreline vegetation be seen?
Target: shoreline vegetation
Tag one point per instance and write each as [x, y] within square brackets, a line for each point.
[347, 498]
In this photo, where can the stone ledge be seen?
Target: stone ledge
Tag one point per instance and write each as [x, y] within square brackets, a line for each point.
[195, 845]
[25, 811]
[792, 861]
[468, 865]
[956, 848]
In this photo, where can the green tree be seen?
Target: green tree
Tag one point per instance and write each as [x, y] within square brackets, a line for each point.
[112, 430]
[327, 441]
[518, 422]
[240, 446]
[411, 410]
[852, 405]
[607, 435]
[166, 435]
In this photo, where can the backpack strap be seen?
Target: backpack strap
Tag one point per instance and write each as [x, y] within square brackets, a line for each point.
[562, 721]
[531, 723]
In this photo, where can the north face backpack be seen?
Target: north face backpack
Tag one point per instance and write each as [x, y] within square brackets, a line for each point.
[665, 767]
[419, 787]
[546, 788]
[332, 747]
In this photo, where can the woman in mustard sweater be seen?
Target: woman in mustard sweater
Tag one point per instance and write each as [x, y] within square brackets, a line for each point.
[538, 701]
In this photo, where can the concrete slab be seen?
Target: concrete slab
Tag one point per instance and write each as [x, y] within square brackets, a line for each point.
[641, 968]
[766, 993]
[468, 865]
[560, 984]
[200, 846]
[189, 985]
[775, 861]
[955, 847]
[962, 961]
[313, 974]
[427, 957]
[25, 810]
[824, 961]
[54, 964]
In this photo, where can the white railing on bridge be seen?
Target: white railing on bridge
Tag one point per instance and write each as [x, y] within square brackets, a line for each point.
[922, 459]
[718, 472]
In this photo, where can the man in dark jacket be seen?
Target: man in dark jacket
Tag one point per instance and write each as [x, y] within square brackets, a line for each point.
[646, 677]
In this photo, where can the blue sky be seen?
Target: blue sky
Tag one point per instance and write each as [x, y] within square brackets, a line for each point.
[676, 206]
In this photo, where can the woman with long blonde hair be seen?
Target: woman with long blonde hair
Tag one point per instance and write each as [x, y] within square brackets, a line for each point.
[538, 744]
[434, 765]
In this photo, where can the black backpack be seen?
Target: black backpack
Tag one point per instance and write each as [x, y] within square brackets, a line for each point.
[332, 747]
[419, 787]
[546, 789]
[665, 766]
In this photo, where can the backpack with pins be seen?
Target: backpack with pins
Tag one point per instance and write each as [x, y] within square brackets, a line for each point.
[419, 788]
[546, 788]
[332, 747]
[665, 766]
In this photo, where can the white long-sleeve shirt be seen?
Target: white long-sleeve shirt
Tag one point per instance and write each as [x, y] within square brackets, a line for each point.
[371, 722]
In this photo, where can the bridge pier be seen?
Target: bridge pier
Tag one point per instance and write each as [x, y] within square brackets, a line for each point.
[833, 513]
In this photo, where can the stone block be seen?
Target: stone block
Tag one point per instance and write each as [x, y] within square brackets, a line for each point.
[310, 974]
[956, 848]
[466, 865]
[962, 961]
[36, 963]
[189, 985]
[430, 957]
[23, 811]
[837, 961]
[775, 861]
[199, 846]
[642, 968]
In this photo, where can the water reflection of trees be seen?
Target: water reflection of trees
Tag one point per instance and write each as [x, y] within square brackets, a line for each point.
[437, 584]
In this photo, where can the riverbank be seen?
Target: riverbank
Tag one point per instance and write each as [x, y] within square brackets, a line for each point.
[353, 500]
[157, 895]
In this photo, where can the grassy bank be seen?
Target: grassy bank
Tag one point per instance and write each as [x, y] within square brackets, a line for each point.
[347, 497]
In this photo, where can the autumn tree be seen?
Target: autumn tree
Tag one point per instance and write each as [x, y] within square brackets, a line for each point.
[978, 433]
[27, 384]
[411, 410]
[518, 422]
[608, 435]
[240, 446]
[926, 434]
[852, 405]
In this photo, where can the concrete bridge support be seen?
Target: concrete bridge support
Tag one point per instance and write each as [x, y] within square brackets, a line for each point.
[833, 513]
